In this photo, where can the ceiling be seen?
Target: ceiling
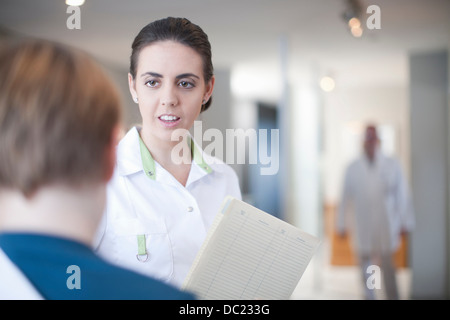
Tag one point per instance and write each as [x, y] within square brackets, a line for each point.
[248, 32]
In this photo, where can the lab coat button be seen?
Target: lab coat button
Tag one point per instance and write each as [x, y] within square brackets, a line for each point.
[190, 209]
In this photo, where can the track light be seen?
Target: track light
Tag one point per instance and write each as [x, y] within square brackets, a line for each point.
[352, 16]
[75, 3]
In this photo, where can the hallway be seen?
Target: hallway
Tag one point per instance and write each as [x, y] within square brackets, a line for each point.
[323, 281]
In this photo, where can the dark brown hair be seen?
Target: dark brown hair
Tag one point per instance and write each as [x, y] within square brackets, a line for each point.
[58, 110]
[176, 29]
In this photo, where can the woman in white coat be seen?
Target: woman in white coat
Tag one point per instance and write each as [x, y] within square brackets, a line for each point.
[159, 208]
[376, 205]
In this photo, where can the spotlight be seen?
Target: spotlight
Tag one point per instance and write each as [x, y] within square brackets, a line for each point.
[354, 23]
[327, 84]
[75, 3]
[352, 16]
[356, 32]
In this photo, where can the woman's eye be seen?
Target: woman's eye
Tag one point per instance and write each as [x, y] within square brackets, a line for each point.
[185, 84]
[151, 83]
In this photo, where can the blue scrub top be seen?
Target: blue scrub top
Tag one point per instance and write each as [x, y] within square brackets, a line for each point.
[63, 269]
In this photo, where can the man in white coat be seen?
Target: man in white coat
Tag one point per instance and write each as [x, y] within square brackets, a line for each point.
[376, 207]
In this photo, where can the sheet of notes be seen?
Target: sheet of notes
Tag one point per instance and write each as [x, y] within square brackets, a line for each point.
[250, 254]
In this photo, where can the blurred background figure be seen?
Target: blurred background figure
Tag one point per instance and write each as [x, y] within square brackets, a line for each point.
[376, 207]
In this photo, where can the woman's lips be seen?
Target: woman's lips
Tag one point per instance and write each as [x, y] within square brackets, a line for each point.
[169, 120]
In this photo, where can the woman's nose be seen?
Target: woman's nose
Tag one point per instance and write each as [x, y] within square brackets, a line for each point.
[169, 97]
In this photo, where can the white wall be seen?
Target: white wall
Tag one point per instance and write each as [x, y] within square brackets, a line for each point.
[305, 184]
[429, 163]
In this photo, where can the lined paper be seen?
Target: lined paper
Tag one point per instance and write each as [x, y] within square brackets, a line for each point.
[249, 254]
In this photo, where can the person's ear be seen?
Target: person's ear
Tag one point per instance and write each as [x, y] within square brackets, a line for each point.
[209, 89]
[132, 87]
[110, 153]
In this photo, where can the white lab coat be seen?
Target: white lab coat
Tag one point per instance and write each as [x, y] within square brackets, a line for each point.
[14, 285]
[173, 218]
[375, 204]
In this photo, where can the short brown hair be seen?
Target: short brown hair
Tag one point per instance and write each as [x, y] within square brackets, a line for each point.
[58, 110]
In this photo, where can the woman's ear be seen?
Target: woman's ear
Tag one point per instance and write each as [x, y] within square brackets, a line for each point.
[209, 88]
[132, 87]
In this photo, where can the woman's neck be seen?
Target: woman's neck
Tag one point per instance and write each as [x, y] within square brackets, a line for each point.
[174, 156]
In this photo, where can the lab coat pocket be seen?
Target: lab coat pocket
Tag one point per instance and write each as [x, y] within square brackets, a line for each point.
[144, 248]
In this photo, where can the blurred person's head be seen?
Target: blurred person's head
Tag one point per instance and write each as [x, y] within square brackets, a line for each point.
[371, 141]
[59, 114]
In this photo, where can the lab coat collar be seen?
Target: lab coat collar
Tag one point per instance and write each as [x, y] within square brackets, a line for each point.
[129, 156]
[134, 156]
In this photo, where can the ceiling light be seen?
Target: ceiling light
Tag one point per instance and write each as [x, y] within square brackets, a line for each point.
[356, 32]
[74, 2]
[352, 15]
[327, 84]
[354, 23]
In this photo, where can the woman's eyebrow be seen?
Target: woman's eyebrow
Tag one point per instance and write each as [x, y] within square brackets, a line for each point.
[180, 76]
[187, 75]
[153, 74]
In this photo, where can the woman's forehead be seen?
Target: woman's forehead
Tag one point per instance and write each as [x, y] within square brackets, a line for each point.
[169, 55]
